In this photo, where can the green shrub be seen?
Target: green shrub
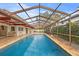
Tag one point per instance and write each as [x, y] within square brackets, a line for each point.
[64, 29]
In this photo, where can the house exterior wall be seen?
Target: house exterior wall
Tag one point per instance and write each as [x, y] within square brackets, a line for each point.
[18, 33]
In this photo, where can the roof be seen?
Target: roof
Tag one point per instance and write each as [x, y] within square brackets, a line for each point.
[38, 15]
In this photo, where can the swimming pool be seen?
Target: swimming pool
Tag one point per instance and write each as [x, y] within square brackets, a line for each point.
[34, 45]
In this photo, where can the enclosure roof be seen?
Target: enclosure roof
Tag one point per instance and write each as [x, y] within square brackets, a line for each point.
[38, 15]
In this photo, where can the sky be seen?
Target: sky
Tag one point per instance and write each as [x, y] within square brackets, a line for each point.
[65, 7]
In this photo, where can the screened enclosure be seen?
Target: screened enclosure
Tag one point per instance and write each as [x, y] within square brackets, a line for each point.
[59, 19]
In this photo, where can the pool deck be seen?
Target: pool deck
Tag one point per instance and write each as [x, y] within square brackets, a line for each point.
[4, 42]
[70, 49]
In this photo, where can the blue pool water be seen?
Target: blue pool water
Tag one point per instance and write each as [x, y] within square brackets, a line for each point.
[34, 45]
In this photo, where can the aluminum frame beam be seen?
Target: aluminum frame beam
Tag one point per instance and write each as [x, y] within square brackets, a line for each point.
[35, 7]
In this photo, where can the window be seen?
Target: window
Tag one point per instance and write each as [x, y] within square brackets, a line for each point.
[26, 30]
[12, 28]
[2, 27]
[20, 29]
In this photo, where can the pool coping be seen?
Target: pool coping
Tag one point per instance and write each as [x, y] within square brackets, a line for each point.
[72, 51]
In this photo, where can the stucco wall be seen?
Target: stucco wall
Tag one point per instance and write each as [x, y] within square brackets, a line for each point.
[18, 33]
